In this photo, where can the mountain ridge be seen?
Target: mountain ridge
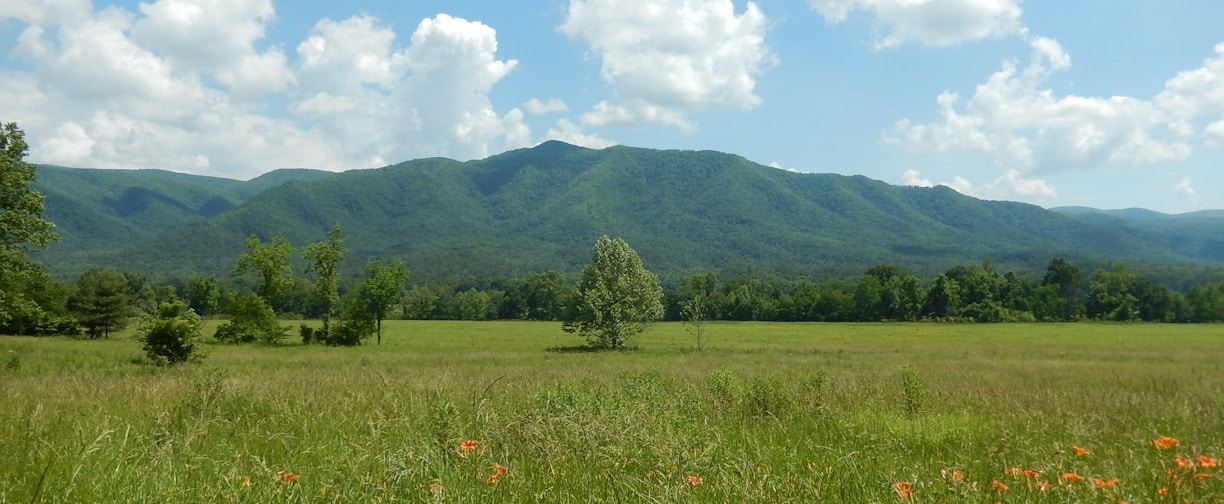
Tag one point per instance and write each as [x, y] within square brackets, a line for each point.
[540, 208]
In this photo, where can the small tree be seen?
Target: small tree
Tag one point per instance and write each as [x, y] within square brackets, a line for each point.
[100, 302]
[171, 337]
[324, 260]
[693, 312]
[382, 288]
[616, 297]
[270, 262]
[251, 319]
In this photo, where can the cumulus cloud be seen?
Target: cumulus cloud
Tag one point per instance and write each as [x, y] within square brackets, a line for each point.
[536, 106]
[670, 58]
[1010, 185]
[1185, 190]
[172, 86]
[929, 22]
[568, 132]
[1028, 128]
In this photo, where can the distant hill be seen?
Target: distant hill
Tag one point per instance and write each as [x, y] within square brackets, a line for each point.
[542, 208]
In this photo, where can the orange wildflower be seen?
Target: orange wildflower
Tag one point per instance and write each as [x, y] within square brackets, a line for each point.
[468, 445]
[288, 476]
[1013, 471]
[1071, 477]
[1202, 476]
[492, 479]
[1043, 486]
[905, 489]
[499, 469]
[436, 487]
[1102, 484]
[999, 486]
[1165, 442]
[1080, 451]
[1205, 461]
[694, 480]
[952, 474]
[1183, 462]
[1030, 473]
[1163, 491]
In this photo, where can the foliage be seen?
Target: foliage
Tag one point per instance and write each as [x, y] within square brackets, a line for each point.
[382, 288]
[251, 320]
[203, 295]
[269, 262]
[324, 260]
[542, 296]
[172, 336]
[616, 297]
[100, 302]
[22, 309]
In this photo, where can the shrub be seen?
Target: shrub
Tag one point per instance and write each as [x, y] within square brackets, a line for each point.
[172, 336]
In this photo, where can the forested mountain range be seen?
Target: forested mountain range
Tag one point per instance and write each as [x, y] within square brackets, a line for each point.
[541, 208]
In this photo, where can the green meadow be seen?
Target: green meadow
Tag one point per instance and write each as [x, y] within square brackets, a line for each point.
[519, 412]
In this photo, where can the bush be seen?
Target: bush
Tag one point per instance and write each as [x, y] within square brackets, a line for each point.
[172, 336]
[251, 319]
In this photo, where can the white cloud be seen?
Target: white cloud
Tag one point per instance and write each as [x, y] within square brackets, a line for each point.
[1010, 185]
[1196, 92]
[930, 22]
[535, 106]
[670, 58]
[1214, 134]
[1185, 190]
[568, 132]
[1028, 128]
[172, 87]
[913, 177]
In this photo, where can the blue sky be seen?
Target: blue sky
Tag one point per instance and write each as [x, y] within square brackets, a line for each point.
[1109, 104]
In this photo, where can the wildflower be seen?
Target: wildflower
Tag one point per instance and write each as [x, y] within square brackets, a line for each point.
[492, 479]
[1205, 461]
[1043, 486]
[1030, 473]
[436, 487]
[499, 469]
[1165, 442]
[1103, 484]
[905, 489]
[1183, 462]
[288, 476]
[694, 480]
[952, 474]
[1071, 477]
[1080, 451]
[1163, 491]
[1202, 476]
[468, 445]
[999, 486]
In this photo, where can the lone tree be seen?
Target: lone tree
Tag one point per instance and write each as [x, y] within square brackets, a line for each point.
[101, 302]
[616, 297]
[382, 288]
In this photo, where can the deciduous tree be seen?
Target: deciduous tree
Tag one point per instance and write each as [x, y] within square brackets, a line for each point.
[270, 262]
[616, 297]
[382, 288]
[325, 260]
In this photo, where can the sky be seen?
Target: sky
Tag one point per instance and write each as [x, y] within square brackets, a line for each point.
[1100, 103]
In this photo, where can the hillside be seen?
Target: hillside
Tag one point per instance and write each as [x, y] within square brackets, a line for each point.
[534, 209]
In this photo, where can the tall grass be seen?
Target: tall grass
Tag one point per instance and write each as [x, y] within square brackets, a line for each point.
[767, 412]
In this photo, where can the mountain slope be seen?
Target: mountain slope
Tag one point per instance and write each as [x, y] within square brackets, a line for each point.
[534, 209]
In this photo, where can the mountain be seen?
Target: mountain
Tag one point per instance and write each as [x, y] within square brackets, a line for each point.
[542, 208]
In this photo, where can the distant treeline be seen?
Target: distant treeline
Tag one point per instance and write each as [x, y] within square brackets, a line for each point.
[973, 293]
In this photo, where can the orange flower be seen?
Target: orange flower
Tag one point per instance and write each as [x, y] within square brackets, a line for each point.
[905, 489]
[1165, 442]
[436, 487]
[1013, 471]
[1043, 486]
[499, 469]
[1080, 451]
[1205, 461]
[1183, 462]
[492, 479]
[952, 474]
[1102, 484]
[1163, 491]
[1030, 473]
[288, 476]
[468, 445]
[998, 486]
[1071, 477]
[1202, 476]
[694, 480]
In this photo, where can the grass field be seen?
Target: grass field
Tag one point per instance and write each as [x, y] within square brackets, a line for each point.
[768, 412]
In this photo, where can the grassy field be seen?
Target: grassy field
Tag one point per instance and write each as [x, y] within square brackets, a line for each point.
[511, 412]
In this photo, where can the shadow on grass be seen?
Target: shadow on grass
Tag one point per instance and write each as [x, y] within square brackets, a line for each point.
[587, 349]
